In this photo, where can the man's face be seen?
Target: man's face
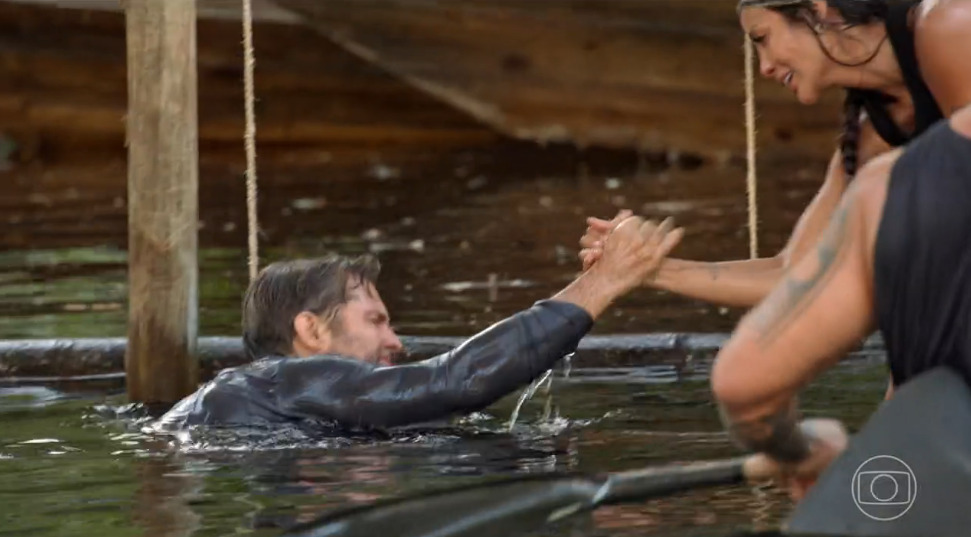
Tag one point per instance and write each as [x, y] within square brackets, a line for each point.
[362, 328]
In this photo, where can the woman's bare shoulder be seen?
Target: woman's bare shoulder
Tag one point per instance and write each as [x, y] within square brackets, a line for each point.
[939, 12]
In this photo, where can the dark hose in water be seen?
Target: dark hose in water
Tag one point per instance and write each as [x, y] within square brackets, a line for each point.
[513, 506]
[33, 359]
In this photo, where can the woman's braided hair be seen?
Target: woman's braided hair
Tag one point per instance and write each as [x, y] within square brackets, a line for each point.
[854, 12]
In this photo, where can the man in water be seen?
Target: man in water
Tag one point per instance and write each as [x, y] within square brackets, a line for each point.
[896, 256]
[323, 344]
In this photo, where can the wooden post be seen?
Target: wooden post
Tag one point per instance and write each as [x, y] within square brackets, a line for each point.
[163, 154]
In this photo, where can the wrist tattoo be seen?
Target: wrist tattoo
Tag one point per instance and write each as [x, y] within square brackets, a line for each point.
[778, 435]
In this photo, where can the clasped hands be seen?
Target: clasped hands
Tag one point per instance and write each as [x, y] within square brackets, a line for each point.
[655, 241]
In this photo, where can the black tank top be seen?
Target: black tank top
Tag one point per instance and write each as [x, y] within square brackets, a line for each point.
[926, 110]
[922, 257]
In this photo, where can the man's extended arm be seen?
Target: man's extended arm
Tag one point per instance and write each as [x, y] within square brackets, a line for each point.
[486, 367]
[491, 364]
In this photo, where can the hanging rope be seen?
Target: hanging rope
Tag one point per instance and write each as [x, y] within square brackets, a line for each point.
[250, 137]
[753, 208]
[763, 501]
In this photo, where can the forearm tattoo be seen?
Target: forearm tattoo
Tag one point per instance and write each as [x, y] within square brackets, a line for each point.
[777, 435]
[796, 292]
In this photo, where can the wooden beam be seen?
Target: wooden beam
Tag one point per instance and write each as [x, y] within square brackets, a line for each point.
[163, 154]
[263, 10]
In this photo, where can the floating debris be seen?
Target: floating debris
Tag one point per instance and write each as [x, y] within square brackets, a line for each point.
[669, 207]
[382, 172]
[309, 204]
[40, 441]
[372, 234]
[458, 287]
[417, 245]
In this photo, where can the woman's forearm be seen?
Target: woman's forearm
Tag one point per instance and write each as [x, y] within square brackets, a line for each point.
[729, 283]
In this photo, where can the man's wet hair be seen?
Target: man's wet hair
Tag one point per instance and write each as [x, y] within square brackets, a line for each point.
[285, 289]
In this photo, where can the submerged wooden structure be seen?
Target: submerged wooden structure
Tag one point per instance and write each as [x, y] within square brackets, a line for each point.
[657, 75]
[163, 200]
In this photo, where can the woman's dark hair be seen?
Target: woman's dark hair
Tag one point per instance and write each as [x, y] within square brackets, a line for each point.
[854, 13]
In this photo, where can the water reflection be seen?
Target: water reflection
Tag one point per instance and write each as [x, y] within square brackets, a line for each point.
[80, 464]
[161, 501]
[291, 476]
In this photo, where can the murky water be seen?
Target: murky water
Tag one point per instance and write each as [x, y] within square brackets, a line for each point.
[442, 224]
[69, 467]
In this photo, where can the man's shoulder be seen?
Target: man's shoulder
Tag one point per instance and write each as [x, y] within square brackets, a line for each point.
[260, 364]
[266, 367]
[275, 365]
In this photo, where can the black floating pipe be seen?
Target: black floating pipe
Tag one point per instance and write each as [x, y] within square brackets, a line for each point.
[105, 356]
